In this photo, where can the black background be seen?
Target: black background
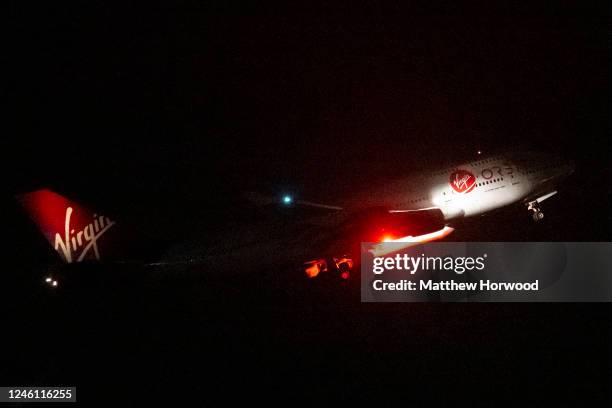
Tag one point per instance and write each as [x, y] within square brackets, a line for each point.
[146, 109]
[174, 97]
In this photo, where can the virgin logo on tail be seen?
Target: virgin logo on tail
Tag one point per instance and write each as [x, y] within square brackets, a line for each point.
[462, 181]
[84, 240]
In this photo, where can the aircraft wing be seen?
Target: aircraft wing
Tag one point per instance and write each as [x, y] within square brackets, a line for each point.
[369, 224]
[324, 235]
[261, 199]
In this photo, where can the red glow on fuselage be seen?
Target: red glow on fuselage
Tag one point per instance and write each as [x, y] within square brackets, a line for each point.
[406, 242]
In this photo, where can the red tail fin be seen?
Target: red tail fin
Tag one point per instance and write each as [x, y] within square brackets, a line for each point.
[73, 231]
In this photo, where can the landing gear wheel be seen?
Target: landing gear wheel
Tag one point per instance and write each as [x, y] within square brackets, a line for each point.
[537, 215]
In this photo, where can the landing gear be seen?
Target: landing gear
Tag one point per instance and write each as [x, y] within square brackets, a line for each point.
[344, 265]
[534, 206]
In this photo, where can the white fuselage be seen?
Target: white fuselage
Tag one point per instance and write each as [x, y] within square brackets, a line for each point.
[476, 187]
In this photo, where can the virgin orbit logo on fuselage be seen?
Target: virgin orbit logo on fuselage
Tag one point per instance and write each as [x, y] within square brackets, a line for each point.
[75, 245]
[462, 181]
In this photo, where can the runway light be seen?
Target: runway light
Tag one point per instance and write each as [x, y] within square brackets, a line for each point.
[287, 199]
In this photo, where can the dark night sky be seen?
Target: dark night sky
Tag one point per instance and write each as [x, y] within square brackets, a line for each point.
[145, 108]
[178, 103]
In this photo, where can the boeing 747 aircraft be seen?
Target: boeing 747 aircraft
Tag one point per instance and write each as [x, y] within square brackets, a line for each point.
[419, 208]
